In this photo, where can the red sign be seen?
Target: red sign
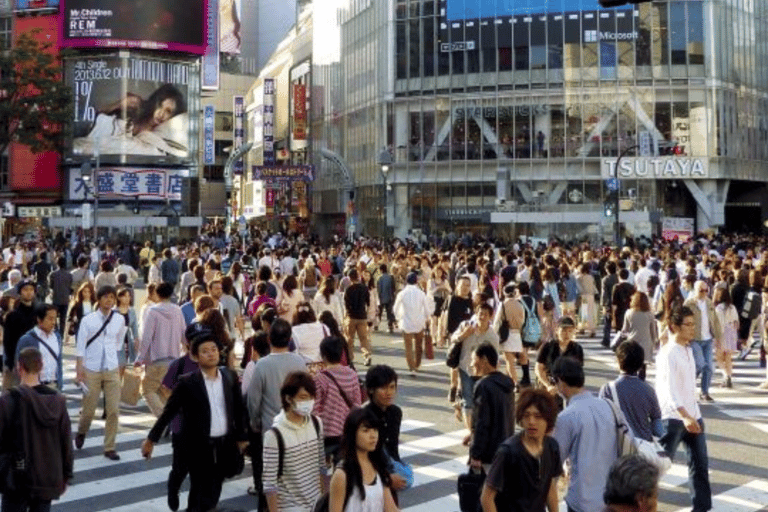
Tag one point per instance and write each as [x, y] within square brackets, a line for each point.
[299, 112]
[270, 197]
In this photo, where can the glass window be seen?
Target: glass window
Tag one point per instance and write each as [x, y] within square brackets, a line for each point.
[414, 48]
[521, 30]
[555, 44]
[644, 28]
[505, 59]
[489, 60]
[695, 33]
[428, 39]
[660, 35]
[5, 33]
[677, 32]
[402, 58]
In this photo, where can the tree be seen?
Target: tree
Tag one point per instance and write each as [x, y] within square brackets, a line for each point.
[35, 105]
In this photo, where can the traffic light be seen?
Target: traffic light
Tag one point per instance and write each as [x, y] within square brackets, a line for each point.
[608, 208]
[610, 204]
[607, 4]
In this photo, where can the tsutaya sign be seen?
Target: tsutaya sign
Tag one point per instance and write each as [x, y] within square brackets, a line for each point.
[662, 167]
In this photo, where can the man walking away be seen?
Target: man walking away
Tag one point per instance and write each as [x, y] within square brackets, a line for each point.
[34, 417]
[60, 282]
[161, 341]
[586, 434]
[356, 300]
[412, 313]
[385, 286]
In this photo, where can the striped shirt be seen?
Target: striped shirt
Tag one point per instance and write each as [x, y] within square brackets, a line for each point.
[329, 404]
[303, 464]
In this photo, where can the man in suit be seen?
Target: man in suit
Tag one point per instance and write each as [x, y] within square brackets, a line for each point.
[60, 282]
[212, 410]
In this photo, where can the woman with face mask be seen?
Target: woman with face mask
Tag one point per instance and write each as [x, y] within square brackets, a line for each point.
[294, 459]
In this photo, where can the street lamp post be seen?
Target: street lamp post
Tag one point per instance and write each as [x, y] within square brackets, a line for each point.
[617, 205]
[385, 161]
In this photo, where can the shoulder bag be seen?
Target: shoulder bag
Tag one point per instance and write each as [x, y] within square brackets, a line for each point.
[101, 329]
[344, 396]
[504, 327]
[14, 470]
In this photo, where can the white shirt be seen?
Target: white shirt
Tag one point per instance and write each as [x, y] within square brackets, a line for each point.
[641, 279]
[676, 381]
[411, 309]
[706, 332]
[287, 265]
[50, 363]
[215, 389]
[102, 353]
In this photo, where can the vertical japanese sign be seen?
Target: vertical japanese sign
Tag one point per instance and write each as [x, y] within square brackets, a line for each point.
[269, 121]
[299, 116]
[209, 154]
[238, 129]
[210, 67]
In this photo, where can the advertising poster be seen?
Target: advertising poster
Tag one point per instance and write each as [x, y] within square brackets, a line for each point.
[130, 106]
[268, 120]
[210, 63]
[300, 115]
[209, 155]
[680, 228]
[230, 15]
[32, 5]
[122, 182]
[147, 24]
[238, 130]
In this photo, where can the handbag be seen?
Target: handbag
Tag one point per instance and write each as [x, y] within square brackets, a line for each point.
[469, 487]
[131, 388]
[454, 355]
[651, 451]
[429, 349]
[504, 327]
[14, 470]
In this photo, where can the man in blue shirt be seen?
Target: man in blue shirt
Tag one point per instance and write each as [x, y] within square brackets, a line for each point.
[188, 308]
[586, 433]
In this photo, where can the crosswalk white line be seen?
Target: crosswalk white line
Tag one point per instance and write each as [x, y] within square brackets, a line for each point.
[448, 503]
[749, 497]
[427, 444]
[131, 455]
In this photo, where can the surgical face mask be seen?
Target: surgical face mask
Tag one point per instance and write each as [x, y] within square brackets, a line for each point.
[304, 407]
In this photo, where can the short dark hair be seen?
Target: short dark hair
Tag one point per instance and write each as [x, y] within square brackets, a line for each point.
[486, 350]
[293, 383]
[61, 262]
[203, 337]
[42, 309]
[568, 370]
[379, 376]
[164, 290]
[542, 400]
[331, 349]
[678, 315]
[485, 306]
[260, 343]
[629, 477]
[279, 333]
[31, 360]
[630, 356]
[353, 275]
[106, 290]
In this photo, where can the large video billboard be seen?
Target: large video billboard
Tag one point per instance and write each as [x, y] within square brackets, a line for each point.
[30, 5]
[148, 24]
[456, 10]
[134, 107]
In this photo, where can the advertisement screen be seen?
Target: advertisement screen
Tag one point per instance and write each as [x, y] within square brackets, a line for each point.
[148, 24]
[130, 106]
[29, 5]
[477, 9]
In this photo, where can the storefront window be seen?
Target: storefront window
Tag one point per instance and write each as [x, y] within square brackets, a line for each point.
[677, 32]
[695, 33]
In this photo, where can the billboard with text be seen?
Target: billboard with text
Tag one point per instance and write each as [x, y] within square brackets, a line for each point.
[147, 24]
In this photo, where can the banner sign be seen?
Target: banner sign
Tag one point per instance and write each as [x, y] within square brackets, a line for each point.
[157, 25]
[122, 182]
[299, 112]
[284, 172]
[268, 121]
[230, 25]
[238, 130]
[130, 106]
[210, 61]
[209, 154]
[34, 5]
[677, 227]
[652, 168]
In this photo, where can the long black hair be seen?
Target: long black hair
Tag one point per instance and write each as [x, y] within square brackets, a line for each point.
[350, 464]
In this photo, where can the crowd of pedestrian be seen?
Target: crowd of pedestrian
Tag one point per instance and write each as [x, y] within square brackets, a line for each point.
[319, 429]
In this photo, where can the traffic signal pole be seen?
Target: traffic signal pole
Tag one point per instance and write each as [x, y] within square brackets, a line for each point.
[617, 199]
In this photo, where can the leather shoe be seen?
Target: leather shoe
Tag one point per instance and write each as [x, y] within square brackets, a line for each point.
[112, 455]
[79, 441]
[173, 500]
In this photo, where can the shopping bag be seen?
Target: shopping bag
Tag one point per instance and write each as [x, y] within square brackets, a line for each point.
[131, 390]
[429, 349]
[470, 486]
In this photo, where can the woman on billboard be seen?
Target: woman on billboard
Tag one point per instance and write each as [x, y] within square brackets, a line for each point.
[137, 126]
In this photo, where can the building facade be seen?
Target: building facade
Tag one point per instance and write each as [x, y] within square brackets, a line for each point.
[512, 122]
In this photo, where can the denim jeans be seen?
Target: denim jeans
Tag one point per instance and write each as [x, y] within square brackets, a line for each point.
[698, 462]
[705, 363]
[467, 389]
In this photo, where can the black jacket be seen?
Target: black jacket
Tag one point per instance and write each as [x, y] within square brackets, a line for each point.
[493, 415]
[356, 299]
[17, 323]
[190, 400]
[47, 437]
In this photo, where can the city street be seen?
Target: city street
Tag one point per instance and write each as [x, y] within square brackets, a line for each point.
[737, 429]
